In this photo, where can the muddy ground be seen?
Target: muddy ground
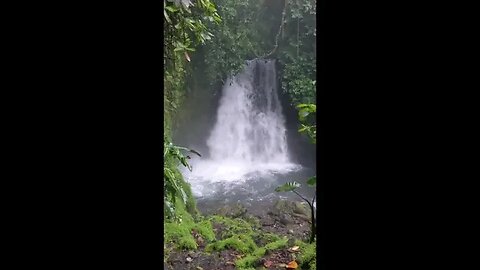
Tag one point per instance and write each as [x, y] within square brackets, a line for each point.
[284, 218]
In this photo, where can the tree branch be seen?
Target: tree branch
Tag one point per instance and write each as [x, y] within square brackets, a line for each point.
[279, 31]
[303, 198]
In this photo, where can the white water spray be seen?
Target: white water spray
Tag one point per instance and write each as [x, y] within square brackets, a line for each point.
[249, 136]
[250, 126]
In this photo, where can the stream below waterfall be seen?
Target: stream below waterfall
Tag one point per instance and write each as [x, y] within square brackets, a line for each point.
[255, 191]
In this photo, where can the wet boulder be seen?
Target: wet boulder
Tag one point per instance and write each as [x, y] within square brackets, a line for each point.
[286, 211]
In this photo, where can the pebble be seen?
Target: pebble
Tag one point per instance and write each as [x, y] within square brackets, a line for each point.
[290, 231]
[189, 259]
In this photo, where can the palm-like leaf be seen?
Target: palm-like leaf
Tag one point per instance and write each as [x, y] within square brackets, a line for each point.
[289, 186]
[171, 183]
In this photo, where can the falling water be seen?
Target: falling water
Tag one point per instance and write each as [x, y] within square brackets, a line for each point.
[249, 137]
[250, 126]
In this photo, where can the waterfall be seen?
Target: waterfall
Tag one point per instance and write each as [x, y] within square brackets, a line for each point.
[250, 127]
[249, 136]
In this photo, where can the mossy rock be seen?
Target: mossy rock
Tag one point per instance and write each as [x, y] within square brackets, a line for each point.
[302, 208]
[285, 211]
[182, 233]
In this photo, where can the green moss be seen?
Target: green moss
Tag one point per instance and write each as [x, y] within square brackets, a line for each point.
[187, 242]
[237, 234]
[174, 231]
[242, 243]
[270, 237]
[246, 262]
[307, 258]
[259, 252]
[205, 229]
[277, 244]
[240, 236]
[182, 213]
[233, 226]
[191, 205]
[313, 264]
[180, 233]
[251, 259]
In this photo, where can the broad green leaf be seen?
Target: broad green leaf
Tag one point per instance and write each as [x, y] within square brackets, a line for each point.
[308, 107]
[312, 181]
[171, 9]
[189, 150]
[289, 186]
[299, 106]
[303, 128]
[184, 196]
[302, 114]
[166, 17]
[184, 161]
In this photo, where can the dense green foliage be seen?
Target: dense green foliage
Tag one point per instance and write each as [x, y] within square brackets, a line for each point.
[243, 34]
[283, 30]
[184, 28]
[308, 256]
[180, 234]
[306, 115]
[297, 53]
[240, 30]
[174, 186]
